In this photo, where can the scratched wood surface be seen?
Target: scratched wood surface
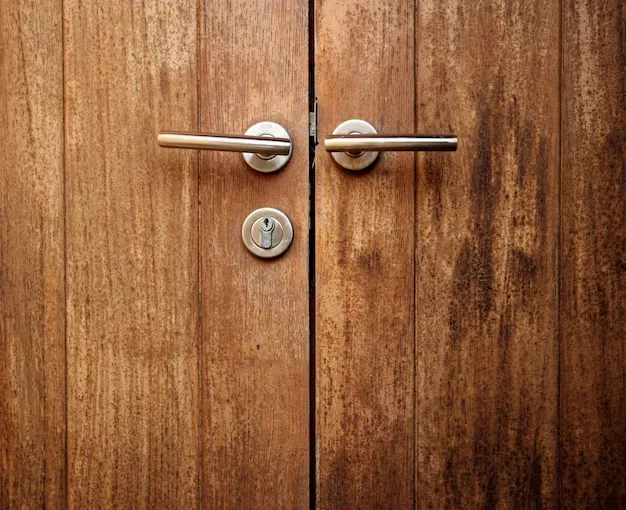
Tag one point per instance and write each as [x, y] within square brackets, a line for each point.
[364, 258]
[132, 255]
[593, 261]
[255, 333]
[32, 341]
[487, 255]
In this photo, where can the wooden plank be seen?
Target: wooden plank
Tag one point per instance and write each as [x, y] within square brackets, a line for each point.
[132, 255]
[255, 333]
[487, 229]
[593, 275]
[364, 259]
[32, 338]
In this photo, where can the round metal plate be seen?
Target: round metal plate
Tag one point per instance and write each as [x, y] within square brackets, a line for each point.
[263, 163]
[355, 161]
[278, 216]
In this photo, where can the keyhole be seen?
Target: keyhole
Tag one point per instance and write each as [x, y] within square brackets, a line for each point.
[267, 224]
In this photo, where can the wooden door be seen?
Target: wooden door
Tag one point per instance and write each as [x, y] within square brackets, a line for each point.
[147, 359]
[470, 306]
[449, 335]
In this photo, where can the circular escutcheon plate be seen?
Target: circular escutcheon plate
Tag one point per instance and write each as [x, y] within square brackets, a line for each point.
[355, 161]
[276, 249]
[262, 163]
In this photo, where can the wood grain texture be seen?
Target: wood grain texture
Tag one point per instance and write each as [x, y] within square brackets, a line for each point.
[132, 255]
[487, 228]
[255, 333]
[32, 339]
[364, 256]
[593, 263]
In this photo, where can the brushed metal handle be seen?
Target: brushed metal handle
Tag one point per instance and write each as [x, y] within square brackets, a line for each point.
[355, 144]
[360, 143]
[266, 146]
[230, 143]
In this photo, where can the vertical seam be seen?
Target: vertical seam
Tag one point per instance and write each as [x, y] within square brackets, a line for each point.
[415, 257]
[312, 267]
[559, 243]
[199, 254]
[66, 343]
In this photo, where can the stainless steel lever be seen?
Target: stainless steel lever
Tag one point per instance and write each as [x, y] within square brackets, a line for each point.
[355, 144]
[266, 146]
[257, 144]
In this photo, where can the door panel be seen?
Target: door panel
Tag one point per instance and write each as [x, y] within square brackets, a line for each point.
[482, 226]
[255, 333]
[32, 344]
[132, 255]
[487, 225]
[593, 261]
[365, 262]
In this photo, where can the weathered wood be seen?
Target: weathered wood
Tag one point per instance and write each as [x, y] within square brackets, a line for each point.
[32, 339]
[593, 262]
[437, 300]
[132, 255]
[255, 333]
[364, 257]
[486, 257]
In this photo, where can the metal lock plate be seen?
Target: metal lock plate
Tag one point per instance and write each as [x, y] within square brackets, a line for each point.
[267, 232]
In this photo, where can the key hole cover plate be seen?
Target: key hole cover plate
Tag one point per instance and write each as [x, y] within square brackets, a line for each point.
[252, 233]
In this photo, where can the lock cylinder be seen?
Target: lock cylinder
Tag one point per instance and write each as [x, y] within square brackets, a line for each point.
[267, 232]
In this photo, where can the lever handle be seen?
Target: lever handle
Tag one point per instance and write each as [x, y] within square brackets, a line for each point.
[355, 144]
[361, 143]
[266, 146]
[231, 143]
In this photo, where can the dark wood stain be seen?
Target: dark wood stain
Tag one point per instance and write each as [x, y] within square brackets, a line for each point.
[593, 239]
[32, 340]
[364, 256]
[486, 306]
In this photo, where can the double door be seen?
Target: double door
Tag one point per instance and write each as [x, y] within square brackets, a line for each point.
[445, 329]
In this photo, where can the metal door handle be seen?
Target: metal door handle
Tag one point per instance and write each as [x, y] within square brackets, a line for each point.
[355, 144]
[266, 146]
[230, 143]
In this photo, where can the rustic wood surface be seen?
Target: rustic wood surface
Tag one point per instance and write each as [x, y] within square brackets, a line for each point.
[365, 269]
[132, 255]
[255, 332]
[487, 227]
[463, 300]
[32, 341]
[593, 260]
